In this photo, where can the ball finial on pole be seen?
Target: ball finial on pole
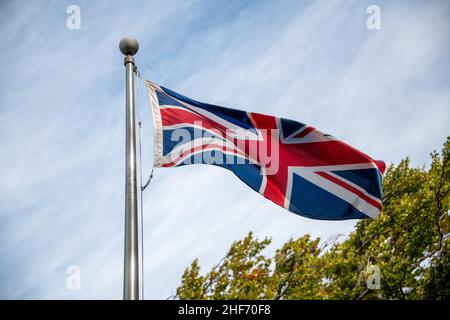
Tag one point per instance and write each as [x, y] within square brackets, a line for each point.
[129, 46]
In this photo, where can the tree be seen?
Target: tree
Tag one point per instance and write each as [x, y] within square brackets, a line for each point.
[409, 244]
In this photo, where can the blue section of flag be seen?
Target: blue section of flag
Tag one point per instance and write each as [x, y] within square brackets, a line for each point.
[311, 201]
[249, 173]
[290, 126]
[165, 100]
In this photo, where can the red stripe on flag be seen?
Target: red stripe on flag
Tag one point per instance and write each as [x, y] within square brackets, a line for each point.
[304, 132]
[173, 116]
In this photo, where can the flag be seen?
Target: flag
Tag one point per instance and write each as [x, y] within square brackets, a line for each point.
[290, 163]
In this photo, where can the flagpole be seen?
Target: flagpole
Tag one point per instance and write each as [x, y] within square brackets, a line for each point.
[129, 46]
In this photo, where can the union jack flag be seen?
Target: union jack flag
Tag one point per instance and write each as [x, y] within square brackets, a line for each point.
[290, 163]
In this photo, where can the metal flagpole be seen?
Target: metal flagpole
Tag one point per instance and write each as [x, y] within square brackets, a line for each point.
[129, 46]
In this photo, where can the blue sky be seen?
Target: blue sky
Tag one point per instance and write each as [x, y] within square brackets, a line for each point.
[386, 92]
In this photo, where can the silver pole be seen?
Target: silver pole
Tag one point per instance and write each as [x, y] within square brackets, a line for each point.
[129, 46]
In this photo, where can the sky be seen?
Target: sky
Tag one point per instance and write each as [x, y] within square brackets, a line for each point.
[384, 91]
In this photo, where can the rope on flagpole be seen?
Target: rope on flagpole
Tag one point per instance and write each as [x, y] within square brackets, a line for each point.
[140, 177]
[140, 126]
[142, 187]
[148, 181]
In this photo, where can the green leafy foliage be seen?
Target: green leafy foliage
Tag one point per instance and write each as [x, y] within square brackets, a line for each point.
[409, 243]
